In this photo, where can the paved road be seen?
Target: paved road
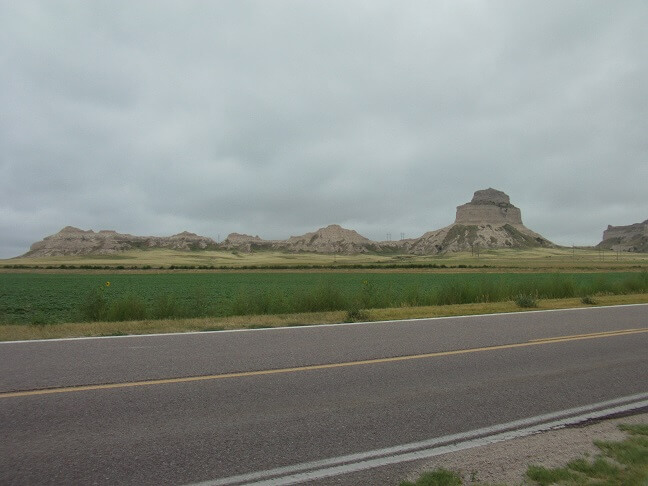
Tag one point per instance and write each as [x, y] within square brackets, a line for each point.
[204, 407]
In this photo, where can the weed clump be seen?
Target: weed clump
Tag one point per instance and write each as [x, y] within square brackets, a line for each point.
[620, 463]
[629, 463]
[439, 477]
[587, 300]
[356, 314]
[526, 300]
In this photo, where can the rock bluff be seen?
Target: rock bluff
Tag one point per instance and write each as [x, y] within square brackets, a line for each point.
[74, 241]
[632, 238]
[489, 220]
[488, 206]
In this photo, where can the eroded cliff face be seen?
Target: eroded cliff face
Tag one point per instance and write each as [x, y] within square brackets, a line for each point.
[332, 239]
[488, 206]
[244, 243]
[633, 238]
[74, 241]
[489, 220]
[476, 237]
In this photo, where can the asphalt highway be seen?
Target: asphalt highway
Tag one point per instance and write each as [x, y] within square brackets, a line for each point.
[191, 408]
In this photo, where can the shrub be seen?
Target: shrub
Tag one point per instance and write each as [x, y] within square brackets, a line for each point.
[526, 300]
[356, 314]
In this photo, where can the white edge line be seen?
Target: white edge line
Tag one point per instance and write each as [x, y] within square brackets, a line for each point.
[426, 454]
[422, 449]
[308, 326]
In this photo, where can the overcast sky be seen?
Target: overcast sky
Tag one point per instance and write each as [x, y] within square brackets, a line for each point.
[275, 118]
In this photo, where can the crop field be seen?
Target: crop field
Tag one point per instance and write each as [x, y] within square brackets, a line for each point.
[48, 298]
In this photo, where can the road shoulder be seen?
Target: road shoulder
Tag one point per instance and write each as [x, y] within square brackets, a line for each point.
[507, 462]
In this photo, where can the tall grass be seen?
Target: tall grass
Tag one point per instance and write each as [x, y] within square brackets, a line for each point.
[327, 296]
[99, 306]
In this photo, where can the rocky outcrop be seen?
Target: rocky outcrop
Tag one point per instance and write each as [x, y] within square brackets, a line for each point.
[245, 243]
[460, 237]
[488, 206]
[74, 241]
[332, 239]
[632, 238]
[183, 241]
[488, 221]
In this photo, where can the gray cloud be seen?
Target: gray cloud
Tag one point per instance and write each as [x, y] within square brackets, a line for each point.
[276, 118]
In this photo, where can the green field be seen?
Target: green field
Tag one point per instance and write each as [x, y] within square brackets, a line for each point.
[47, 298]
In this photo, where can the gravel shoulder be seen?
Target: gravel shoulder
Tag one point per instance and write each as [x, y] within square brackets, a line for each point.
[507, 462]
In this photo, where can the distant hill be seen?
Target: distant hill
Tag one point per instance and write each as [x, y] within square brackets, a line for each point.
[633, 238]
[331, 239]
[74, 241]
[489, 220]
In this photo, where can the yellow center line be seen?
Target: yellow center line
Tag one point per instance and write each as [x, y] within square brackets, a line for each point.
[533, 342]
[595, 334]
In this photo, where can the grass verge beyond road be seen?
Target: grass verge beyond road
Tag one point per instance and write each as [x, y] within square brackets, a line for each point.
[14, 332]
[620, 463]
[43, 298]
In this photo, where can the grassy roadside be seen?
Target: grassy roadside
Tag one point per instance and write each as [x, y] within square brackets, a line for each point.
[68, 298]
[14, 332]
[622, 462]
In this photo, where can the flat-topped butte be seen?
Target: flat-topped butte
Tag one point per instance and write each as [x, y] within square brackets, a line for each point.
[488, 221]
